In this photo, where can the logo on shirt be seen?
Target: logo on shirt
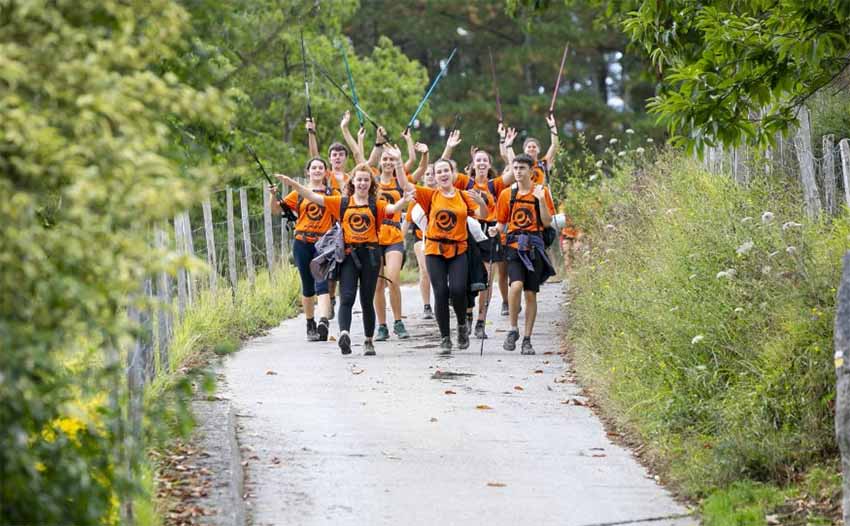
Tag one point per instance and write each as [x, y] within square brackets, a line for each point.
[446, 220]
[522, 217]
[359, 223]
[314, 212]
[389, 196]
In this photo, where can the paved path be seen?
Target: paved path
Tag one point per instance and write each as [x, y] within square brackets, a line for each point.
[376, 440]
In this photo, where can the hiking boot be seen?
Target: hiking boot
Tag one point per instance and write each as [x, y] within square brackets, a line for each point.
[526, 346]
[446, 345]
[427, 313]
[312, 333]
[333, 308]
[322, 330]
[510, 341]
[400, 331]
[462, 337]
[344, 343]
[383, 333]
[505, 309]
[479, 330]
[368, 348]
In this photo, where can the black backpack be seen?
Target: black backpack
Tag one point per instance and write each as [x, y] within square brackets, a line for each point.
[549, 232]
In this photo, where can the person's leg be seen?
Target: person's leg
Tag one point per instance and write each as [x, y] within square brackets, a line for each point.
[502, 274]
[348, 277]
[516, 274]
[324, 309]
[530, 312]
[302, 254]
[438, 271]
[368, 281]
[392, 271]
[458, 278]
[424, 280]
[484, 295]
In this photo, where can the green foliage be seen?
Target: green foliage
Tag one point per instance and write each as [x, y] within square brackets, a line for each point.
[706, 322]
[743, 504]
[86, 165]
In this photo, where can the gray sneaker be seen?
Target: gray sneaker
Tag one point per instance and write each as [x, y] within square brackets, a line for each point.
[505, 309]
[383, 333]
[510, 341]
[479, 330]
[344, 343]
[446, 345]
[368, 348]
[526, 346]
[427, 313]
[463, 336]
[400, 331]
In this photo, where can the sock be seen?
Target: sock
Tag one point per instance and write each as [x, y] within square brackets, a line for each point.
[515, 329]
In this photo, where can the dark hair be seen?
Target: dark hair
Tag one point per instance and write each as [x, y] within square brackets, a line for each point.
[443, 160]
[524, 159]
[373, 188]
[337, 147]
[491, 172]
[307, 166]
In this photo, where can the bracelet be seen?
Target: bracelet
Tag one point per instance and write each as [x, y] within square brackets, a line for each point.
[502, 141]
[312, 132]
[553, 131]
[379, 144]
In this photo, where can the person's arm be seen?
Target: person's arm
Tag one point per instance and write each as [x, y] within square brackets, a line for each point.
[540, 194]
[453, 140]
[553, 136]
[361, 143]
[398, 206]
[312, 144]
[503, 150]
[493, 231]
[380, 140]
[508, 177]
[411, 150]
[356, 152]
[481, 212]
[423, 162]
[510, 135]
[276, 208]
[302, 190]
[394, 152]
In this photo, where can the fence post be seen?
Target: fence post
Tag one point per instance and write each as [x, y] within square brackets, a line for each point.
[828, 172]
[284, 240]
[164, 320]
[803, 145]
[189, 244]
[844, 146]
[231, 242]
[182, 286]
[841, 337]
[210, 237]
[246, 233]
[146, 332]
[268, 229]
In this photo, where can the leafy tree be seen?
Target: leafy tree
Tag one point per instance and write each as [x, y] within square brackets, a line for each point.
[86, 165]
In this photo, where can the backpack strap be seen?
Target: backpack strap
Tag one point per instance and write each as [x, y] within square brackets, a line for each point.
[514, 191]
[343, 205]
[492, 187]
[471, 184]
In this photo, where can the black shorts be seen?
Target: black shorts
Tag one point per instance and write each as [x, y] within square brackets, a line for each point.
[383, 249]
[531, 280]
[491, 250]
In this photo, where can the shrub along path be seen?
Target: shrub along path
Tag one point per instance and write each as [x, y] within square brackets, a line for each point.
[328, 439]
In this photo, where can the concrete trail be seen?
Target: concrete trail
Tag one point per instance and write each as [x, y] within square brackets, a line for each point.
[329, 439]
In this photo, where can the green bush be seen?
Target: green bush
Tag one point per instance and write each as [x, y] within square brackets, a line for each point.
[703, 317]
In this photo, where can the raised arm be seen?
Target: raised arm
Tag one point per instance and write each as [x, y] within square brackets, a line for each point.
[423, 162]
[361, 142]
[481, 202]
[503, 150]
[393, 151]
[510, 135]
[302, 190]
[553, 137]
[312, 144]
[356, 152]
[411, 150]
[276, 208]
[452, 142]
[545, 216]
[380, 140]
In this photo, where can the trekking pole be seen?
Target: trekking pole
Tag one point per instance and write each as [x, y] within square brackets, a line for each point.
[431, 89]
[558, 80]
[354, 98]
[286, 211]
[306, 84]
[354, 103]
[495, 87]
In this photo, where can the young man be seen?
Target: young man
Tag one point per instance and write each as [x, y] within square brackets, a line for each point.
[522, 211]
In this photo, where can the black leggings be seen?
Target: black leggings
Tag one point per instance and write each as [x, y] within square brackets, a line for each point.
[303, 253]
[367, 276]
[448, 276]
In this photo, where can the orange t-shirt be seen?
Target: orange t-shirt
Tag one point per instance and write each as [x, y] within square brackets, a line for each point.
[523, 216]
[313, 220]
[390, 233]
[538, 175]
[490, 198]
[359, 225]
[335, 183]
[446, 220]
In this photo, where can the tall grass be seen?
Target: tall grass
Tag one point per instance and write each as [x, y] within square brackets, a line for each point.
[702, 317]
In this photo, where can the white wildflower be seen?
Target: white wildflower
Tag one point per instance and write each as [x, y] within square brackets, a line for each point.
[766, 269]
[599, 137]
[609, 226]
[649, 140]
[767, 217]
[621, 154]
[739, 309]
[629, 131]
[745, 248]
[639, 150]
[722, 274]
[770, 255]
[791, 224]
[747, 219]
[599, 163]
[593, 177]
[790, 249]
[674, 309]
[671, 211]
[692, 276]
[696, 339]
[613, 140]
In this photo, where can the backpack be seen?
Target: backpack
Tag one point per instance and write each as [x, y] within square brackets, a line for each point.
[549, 232]
[490, 186]
[373, 207]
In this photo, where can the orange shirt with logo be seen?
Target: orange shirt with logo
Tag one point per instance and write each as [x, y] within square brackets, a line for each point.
[523, 216]
[446, 220]
[391, 227]
[359, 224]
[313, 220]
[335, 183]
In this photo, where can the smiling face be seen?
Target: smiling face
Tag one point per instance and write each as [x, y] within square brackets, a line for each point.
[362, 181]
[387, 163]
[532, 148]
[338, 158]
[316, 172]
[443, 174]
[481, 163]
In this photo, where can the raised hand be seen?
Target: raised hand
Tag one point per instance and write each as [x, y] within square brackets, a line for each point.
[285, 179]
[310, 124]
[539, 192]
[361, 133]
[510, 135]
[406, 135]
[393, 151]
[381, 134]
[272, 188]
[420, 147]
[346, 118]
[501, 130]
[550, 121]
[454, 139]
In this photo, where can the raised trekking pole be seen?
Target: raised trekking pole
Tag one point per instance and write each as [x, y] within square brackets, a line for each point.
[286, 211]
[431, 89]
[306, 84]
[356, 105]
[558, 80]
[354, 98]
[496, 87]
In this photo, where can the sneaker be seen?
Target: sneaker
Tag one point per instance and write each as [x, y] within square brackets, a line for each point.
[368, 348]
[505, 309]
[446, 345]
[427, 314]
[312, 333]
[400, 331]
[479, 330]
[333, 308]
[526, 346]
[383, 333]
[462, 337]
[510, 341]
[344, 343]
[322, 330]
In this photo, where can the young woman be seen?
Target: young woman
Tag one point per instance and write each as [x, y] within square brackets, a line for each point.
[313, 221]
[445, 246]
[419, 248]
[360, 213]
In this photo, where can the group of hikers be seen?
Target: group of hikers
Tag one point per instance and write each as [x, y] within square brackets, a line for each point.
[469, 226]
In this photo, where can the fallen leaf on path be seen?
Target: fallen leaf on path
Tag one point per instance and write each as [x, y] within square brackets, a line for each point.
[496, 484]
[270, 373]
[518, 388]
[548, 352]
[575, 401]
[561, 380]
[331, 338]
[357, 370]
[275, 461]
[449, 391]
[483, 407]
[538, 371]
[599, 455]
